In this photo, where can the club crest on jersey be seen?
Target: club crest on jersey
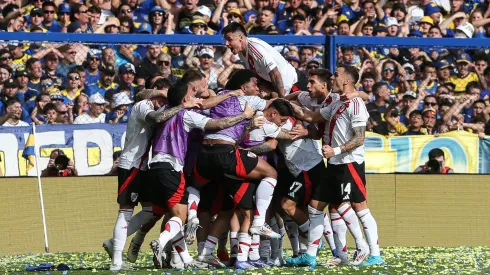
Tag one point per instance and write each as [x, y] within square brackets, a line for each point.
[134, 197]
[251, 155]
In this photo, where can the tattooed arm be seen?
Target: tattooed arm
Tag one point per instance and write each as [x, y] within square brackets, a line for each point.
[276, 80]
[285, 135]
[264, 148]
[356, 141]
[163, 115]
[225, 122]
[149, 93]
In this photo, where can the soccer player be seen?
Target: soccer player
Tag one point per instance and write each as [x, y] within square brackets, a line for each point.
[344, 147]
[132, 173]
[262, 59]
[169, 151]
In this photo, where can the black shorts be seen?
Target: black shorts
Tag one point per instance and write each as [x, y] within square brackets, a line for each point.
[133, 186]
[217, 160]
[242, 192]
[214, 199]
[168, 187]
[301, 190]
[347, 183]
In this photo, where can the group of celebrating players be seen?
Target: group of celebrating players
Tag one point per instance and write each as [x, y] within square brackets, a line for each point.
[231, 164]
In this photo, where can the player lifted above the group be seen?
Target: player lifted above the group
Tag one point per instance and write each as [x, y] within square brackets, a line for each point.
[261, 58]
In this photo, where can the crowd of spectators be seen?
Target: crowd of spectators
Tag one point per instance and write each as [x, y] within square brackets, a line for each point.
[412, 90]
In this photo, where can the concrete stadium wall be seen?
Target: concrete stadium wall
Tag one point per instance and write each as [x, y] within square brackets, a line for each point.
[411, 210]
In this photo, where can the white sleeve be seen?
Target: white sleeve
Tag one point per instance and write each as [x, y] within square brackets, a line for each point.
[358, 113]
[194, 120]
[305, 100]
[142, 109]
[263, 57]
[271, 130]
[254, 102]
[326, 112]
[77, 120]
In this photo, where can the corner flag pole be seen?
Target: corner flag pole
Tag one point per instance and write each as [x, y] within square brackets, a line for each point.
[40, 186]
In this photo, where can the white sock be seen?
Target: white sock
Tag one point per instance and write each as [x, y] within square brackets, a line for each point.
[370, 230]
[175, 257]
[172, 228]
[192, 201]
[200, 247]
[209, 245]
[316, 230]
[265, 249]
[142, 217]
[263, 197]
[328, 233]
[180, 246]
[254, 248]
[274, 242]
[303, 241]
[233, 244]
[293, 234]
[120, 234]
[244, 242]
[352, 223]
[339, 229]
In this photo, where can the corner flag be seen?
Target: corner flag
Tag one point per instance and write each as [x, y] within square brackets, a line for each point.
[29, 152]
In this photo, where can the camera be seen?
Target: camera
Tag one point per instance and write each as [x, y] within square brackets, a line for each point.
[433, 166]
[61, 163]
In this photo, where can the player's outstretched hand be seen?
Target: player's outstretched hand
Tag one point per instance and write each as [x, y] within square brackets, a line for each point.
[327, 151]
[249, 111]
[194, 102]
[298, 131]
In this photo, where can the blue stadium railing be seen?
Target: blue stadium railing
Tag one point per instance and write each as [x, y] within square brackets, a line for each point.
[330, 42]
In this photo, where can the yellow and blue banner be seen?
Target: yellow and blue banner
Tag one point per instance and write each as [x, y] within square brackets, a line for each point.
[91, 146]
[29, 152]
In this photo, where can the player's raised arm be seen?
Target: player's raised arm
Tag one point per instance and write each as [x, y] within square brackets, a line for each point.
[225, 122]
[165, 114]
[306, 115]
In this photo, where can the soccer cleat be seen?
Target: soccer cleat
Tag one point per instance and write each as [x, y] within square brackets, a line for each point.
[360, 254]
[191, 229]
[133, 251]
[333, 261]
[373, 260]
[243, 265]
[175, 260]
[196, 264]
[108, 246]
[122, 267]
[264, 231]
[158, 256]
[211, 260]
[223, 256]
[279, 261]
[260, 263]
[304, 260]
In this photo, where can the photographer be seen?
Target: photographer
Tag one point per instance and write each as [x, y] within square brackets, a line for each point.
[59, 165]
[435, 165]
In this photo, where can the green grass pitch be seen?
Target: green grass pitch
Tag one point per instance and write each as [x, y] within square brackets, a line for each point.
[399, 260]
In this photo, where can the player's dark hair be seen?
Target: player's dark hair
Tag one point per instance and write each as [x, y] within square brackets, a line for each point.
[11, 102]
[234, 27]
[352, 72]
[323, 74]
[282, 106]
[161, 83]
[377, 86]
[192, 75]
[435, 153]
[239, 78]
[176, 93]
